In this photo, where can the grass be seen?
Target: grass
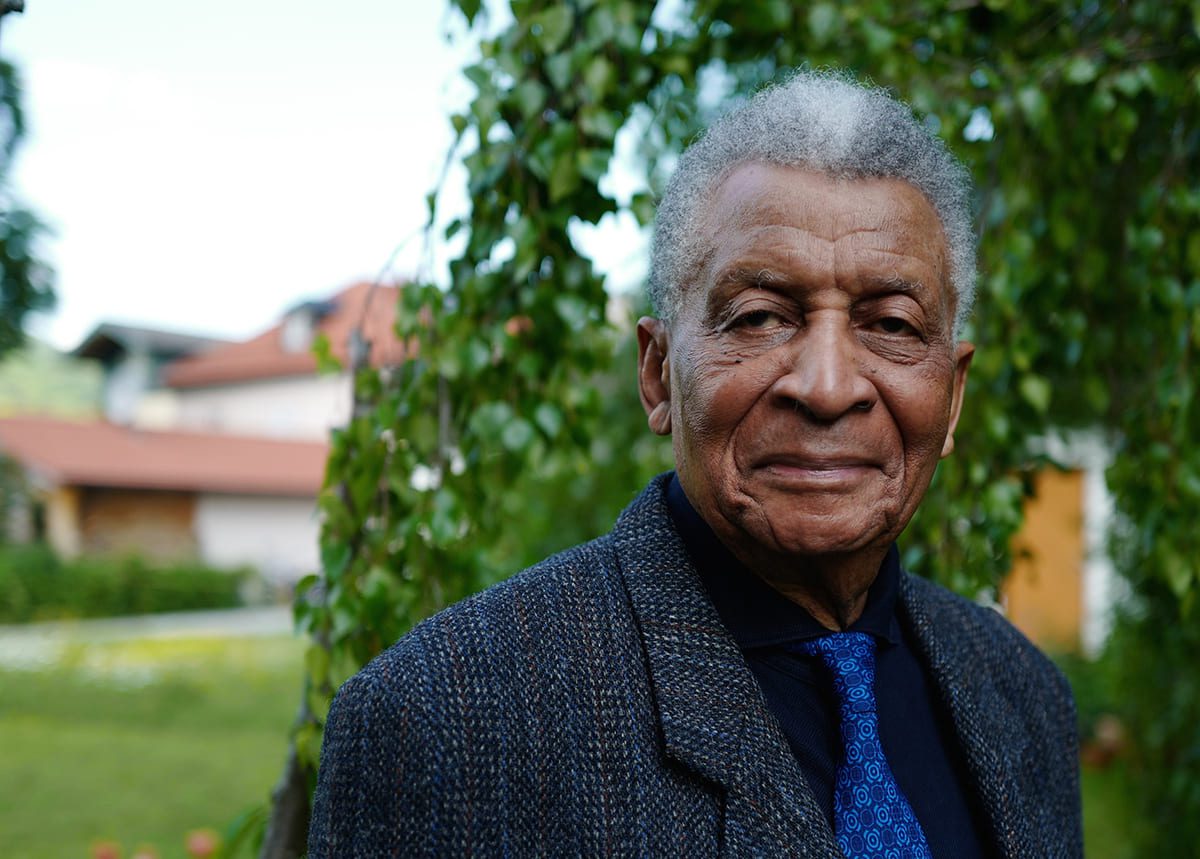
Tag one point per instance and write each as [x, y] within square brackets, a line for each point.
[141, 741]
[1107, 819]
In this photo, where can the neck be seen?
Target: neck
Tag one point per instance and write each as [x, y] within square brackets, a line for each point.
[833, 589]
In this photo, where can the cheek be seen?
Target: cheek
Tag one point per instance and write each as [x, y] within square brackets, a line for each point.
[922, 412]
[701, 405]
[717, 389]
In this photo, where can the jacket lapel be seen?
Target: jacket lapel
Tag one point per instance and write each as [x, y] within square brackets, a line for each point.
[986, 726]
[713, 717]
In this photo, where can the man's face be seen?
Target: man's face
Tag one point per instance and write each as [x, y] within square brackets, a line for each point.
[810, 380]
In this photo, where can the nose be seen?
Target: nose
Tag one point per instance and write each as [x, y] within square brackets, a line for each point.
[823, 376]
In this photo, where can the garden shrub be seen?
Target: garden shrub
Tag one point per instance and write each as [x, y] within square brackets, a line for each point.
[36, 585]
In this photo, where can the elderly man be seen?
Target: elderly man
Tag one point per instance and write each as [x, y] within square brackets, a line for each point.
[741, 667]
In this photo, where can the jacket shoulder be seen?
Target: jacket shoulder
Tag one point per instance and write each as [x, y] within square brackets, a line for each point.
[537, 630]
[568, 596]
[982, 634]
[447, 734]
[374, 772]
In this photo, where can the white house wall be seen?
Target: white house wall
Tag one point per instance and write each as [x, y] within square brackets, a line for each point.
[297, 407]
[157, 410]
[277, 536]
[124, 386]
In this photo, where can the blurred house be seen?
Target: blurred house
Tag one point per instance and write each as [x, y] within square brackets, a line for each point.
[208, 448]
[132, 359]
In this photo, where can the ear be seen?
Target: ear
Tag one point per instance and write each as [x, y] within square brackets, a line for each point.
[654, 373]
[963, 353]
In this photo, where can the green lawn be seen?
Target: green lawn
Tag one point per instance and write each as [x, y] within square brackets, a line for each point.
[1107, 818]
[141, 741]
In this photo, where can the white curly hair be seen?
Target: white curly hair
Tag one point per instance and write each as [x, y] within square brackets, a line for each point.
[827, 122]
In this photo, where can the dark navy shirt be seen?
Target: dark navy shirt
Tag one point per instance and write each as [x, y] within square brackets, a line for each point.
[916, 735]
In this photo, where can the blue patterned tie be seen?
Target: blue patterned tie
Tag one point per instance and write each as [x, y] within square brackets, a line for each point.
[872, 818]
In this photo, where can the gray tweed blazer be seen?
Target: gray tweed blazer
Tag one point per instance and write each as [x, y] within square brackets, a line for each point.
[593, 705]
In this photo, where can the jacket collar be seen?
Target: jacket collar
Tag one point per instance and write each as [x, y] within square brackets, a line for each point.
[712, 714]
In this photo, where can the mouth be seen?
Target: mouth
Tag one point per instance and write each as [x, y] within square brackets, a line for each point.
[815, 462]
[817, 469]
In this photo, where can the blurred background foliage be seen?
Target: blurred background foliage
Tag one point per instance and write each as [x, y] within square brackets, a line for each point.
[26, 282]
[515, 432]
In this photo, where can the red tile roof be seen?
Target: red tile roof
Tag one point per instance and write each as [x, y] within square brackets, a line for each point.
[265, 357]
[103, 454]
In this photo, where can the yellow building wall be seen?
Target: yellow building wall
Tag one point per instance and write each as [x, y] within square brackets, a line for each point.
[1043, 595]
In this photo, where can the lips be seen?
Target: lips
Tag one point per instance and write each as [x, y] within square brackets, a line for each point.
[815, 462]
[822, 473]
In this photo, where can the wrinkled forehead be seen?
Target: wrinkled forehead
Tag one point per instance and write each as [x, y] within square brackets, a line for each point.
[754, 196]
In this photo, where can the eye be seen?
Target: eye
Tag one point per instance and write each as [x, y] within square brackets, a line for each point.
[895, 325]
[757, 319]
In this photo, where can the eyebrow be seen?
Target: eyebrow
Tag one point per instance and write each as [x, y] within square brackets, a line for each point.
[755, 275]
[737, 276]
[762, 275]
[895, 283]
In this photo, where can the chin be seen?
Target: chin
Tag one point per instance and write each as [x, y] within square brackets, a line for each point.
[816, 546]
[799, 532]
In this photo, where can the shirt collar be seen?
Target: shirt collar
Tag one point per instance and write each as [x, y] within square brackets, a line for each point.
[755, 613]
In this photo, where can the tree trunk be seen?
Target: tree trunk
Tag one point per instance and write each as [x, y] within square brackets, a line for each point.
[287, 827]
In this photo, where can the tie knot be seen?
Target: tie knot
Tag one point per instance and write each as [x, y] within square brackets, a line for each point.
[850, 657]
